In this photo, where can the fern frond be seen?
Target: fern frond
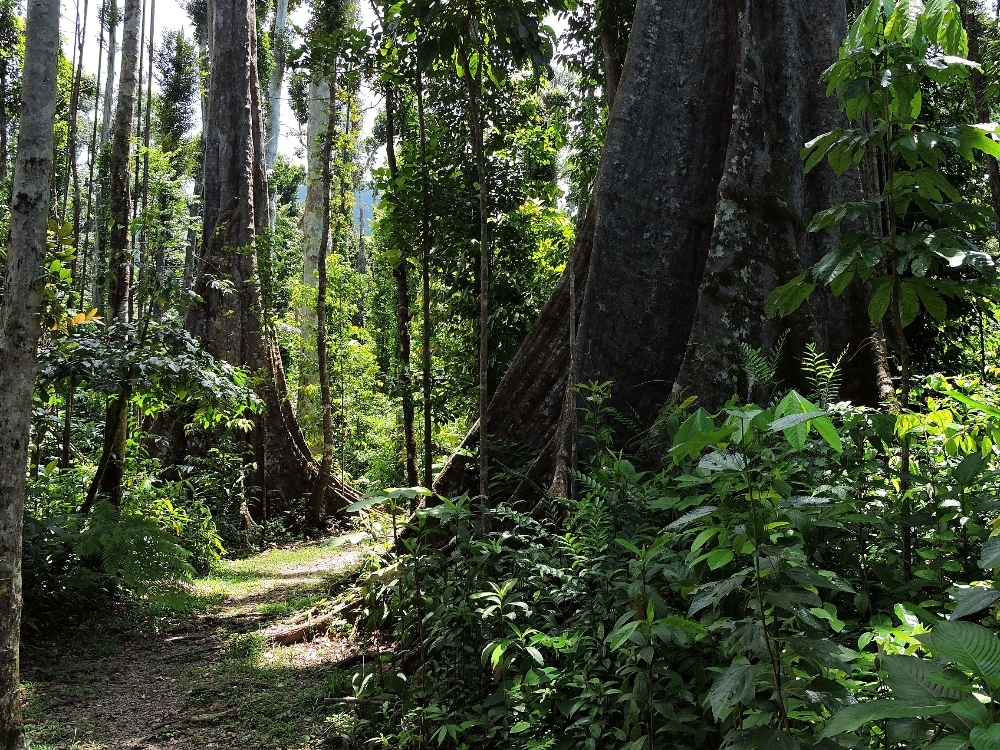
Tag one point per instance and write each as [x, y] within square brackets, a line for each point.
[824, 376]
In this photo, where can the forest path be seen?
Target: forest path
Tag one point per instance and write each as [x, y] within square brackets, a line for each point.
[199, 672]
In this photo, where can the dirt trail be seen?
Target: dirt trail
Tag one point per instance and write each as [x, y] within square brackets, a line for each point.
[207, 679]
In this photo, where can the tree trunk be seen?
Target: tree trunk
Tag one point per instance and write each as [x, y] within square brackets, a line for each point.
[233, 325]
[318, 506]
[3, 125]
[20, 329]
[425, 277]
[100, 240]
[474, 84]
[312, 234]
[699, 211]
[970, 20]
[278, 44]
[399, 273]
[119, 245]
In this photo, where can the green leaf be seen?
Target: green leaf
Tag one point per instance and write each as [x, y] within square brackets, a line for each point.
[972, 599]
[787, 298]
[950, 743]
[990, 556]
[880, 303]
[909, 304]
[987, 738]
[985, 408]
[732, 687]
[909, 680]
[719, 557]
[970, 468]
[933, 302]
[970, 646]
[855, 717]
[824, 426]
[520, 727]
[622, 634]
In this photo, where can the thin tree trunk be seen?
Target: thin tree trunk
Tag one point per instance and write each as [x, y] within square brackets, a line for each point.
[20, 329]
[320, 103]
[400, 274]
[4, 125]
[318, 504]
[425, 276]
[146, 264]
[608, 31]
[119, 197]
[89, 225]
[274, 84]
[474, 83]
[67, 435]
[100, 241]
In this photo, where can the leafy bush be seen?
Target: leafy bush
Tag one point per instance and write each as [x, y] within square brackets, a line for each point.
[736, 583]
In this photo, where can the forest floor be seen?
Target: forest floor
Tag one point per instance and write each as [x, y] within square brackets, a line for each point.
[200, 671]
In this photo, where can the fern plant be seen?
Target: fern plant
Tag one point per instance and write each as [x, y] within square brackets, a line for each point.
[761, 369]
[133, 548]
[823, 376]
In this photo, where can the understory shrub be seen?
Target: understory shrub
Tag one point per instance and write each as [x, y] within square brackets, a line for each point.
[762, 577]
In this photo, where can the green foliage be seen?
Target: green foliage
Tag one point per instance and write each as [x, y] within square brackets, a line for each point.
[176, 66]
[895, 54]
[739, 589]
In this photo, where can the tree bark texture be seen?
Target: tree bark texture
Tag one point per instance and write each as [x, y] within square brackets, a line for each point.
[400, 275]
[229, 318]
[20, 329]
[274, 85]
[119, 245]
[318, 504]
[699, 212]
[308, 403]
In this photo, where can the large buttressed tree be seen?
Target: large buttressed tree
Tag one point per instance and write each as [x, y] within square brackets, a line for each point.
[230, 318]
[699, 211]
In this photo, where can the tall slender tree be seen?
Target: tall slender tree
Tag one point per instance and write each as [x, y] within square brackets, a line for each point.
[119, 239]
[313, 218]
[20, 329]
[229, 318]
[279, 45]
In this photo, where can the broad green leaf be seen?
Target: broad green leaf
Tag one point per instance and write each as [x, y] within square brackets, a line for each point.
[909, 303]
[990, 556]
[950, 743]
[970, 646]
[985, 408]
[787, 298]
[880, 303]
[933, 302]
[909, 679]
[985, 738]
[855, 717]
[824, 426]
[622, 634]
[690, 517]
[732, 687]
[970, 468]
[719, 557]
[972, 599]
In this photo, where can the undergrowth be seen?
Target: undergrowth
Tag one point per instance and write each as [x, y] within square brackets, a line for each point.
[738, 581]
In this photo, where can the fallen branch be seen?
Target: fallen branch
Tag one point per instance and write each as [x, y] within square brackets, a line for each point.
[313, 625]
